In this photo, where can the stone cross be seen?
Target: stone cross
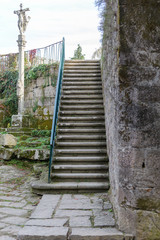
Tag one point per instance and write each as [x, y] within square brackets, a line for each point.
[22, 24]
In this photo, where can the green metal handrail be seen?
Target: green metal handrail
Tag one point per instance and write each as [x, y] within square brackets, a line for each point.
[56, 108]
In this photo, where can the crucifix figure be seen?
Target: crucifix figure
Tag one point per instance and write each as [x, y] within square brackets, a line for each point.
[22, 19]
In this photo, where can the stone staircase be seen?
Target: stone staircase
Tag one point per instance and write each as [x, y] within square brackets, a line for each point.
[80, 159]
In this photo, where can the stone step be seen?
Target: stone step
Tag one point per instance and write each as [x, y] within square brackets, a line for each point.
[80, 119]
[84, 112]
[80, 151]
[81, 71]
[75, 97]
[81, 144]
[81, 159]
[85, 62]
[82, 107]
[69, 187]
[82, 79]
[82, 83]
[82, 102]
[81, 87]
[81, 75]
[81, 91]
[84, 167]
[81, 67]
[81, 130]
[84, 176]
[81, 137]
[82, 124]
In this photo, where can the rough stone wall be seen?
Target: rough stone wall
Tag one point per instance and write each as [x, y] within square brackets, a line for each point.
[131, 83]
[39, 100]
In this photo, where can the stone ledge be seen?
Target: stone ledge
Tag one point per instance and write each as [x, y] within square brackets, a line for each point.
[39, 233]
[98, 234]
[29, 154]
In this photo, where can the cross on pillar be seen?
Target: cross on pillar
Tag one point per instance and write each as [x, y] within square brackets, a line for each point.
[22, 24]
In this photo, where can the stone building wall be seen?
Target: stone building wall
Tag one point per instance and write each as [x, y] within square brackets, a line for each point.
[39, 100]
[131, 85]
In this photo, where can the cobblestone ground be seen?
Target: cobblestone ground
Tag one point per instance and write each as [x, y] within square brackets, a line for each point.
[16, 200]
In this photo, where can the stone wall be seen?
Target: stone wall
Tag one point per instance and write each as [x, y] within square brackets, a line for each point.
[131, 85]
[39, 99]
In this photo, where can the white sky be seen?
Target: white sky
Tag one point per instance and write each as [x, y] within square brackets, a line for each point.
[51, 20]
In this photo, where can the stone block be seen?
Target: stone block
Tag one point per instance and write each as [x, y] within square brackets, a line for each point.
[15, 220]
[6, 154]
[11, 198]
[103, 219]
[39, 233]
[20, 121]
[11, 230]
[49, 91]
[72, 213]
[148, 226]
[13, 211]
[12, 204]
[47, 101]
[33, 154]
[37, 92]
[97, 234]
[46, 207]
[82, 221]
[56, 222]
[8, 140]
[40, 82]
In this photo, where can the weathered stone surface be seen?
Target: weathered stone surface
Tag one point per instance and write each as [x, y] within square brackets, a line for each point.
[46, 206]
[11, 198]
[56, 222]
[148, 222]
[83, 221]
[7, 140]
[80, 204]
[39, 95]
[12, 230]
[33, 154]
[132, 115]
[6, 238]
[13, 211]
[39, 233]
[104, 219]
[72, 213]
[12, 204]
[3, 225]
[15, 220]
[107, 205]
[9, 173]
[96, 234]
[6, 154]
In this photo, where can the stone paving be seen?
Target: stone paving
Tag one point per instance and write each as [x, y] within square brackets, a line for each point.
[63, 216]
[72, 217]
[16, 200]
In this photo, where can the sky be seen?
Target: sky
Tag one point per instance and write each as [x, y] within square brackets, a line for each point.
[51, 20]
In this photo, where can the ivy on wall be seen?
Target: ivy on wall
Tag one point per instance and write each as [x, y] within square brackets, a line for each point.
[8, 82]
[8, 89]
